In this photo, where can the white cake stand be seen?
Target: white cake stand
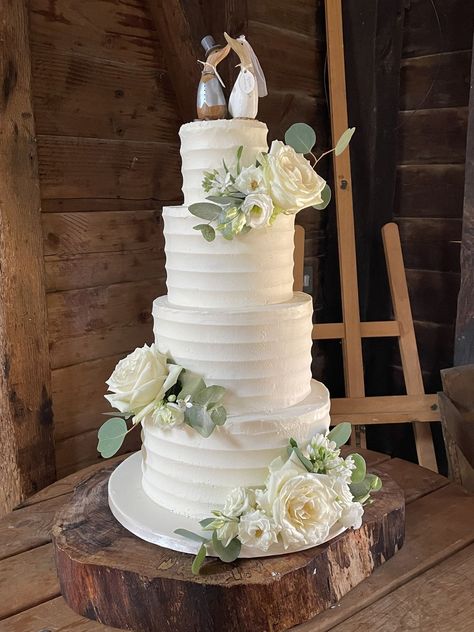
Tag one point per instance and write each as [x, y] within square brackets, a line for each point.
[144, 518]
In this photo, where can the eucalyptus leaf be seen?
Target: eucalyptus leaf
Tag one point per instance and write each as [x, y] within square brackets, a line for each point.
[205, 210]
[227, 553]
[358, 474]
[301, 137]
[344, 141]
[306, 462]
[206, 522]
[219, 415]
[224, 199]
[210, 395]
[341, 433]
[111, 435]
[326, 197]
[185, 533]
[199, 560]
[207, 231]
[191, 383]
[374, 482]
[199, 418]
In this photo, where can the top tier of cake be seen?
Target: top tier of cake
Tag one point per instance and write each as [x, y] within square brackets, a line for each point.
[205, 144]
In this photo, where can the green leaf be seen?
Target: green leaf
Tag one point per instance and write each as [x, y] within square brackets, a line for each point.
[191, 536]
[223, 199]
[207, 231]
[246, 229]
[206, 522]
[341, 433]
[205, 210]
[227, 553]
[358, 474]
[199, 560]
[199, 418]
[326, 197]
[219, 415]
[306, 462]
[239, 156]
[293, 443]
[374, 482]
[111, 436]
[344, 140]
[301, 137]
[191, 383]
[209, 395]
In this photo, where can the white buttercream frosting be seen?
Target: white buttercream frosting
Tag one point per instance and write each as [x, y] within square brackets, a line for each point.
[252, 269]
[205, 144]
[191, 475]
[261, 355]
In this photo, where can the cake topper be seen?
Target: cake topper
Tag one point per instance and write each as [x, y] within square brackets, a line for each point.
[211, 103]
[250, 84]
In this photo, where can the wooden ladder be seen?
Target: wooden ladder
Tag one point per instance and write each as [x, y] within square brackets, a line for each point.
[415, 406]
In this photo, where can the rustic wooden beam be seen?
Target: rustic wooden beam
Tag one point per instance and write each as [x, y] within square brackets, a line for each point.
[180, 25]
[26, 427]
[464, 341]
[230, 16]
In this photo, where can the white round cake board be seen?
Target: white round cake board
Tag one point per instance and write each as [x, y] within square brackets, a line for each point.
[149, 521]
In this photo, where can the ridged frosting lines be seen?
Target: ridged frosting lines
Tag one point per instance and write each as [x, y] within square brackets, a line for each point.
[205, 144]
[192, 475]
[261, 355]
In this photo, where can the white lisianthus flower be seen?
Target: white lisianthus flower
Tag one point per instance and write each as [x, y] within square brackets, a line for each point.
[251, 180]
[258, 209]
[140, 381]
[237, 502]
[305, 509]
[227, 531]
[257, 530]
[352, 512]
[291, 180]
[168, 415]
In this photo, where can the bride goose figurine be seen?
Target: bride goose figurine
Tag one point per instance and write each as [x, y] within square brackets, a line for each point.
[250, 84]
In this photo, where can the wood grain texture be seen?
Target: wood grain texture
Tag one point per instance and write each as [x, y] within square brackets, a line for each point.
[439, 604]
[181, 25]
[115, 30]
[431, 244]
[71, 167]
[247, 595]
[79, 95]
[435, 81]
[447, 125]
[429, 191]
[424, 36]
[26, 428]
[464, 344]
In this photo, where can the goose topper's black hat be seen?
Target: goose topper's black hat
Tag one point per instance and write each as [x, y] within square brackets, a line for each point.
[209, 44]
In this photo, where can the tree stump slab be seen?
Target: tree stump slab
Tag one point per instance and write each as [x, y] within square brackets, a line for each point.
[109, 575]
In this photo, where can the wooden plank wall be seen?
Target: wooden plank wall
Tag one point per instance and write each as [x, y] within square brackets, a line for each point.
[434, 94]
[107, 128]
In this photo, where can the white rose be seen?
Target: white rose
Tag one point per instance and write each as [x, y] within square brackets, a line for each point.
[258, 208]
[140, 380]
[256, 529]
[305, 509]
[227, 532]
[168, 415]
[352, 512]
[251, 180]
[291, 180]
[237, 502]
[352, 516]
[280, 471]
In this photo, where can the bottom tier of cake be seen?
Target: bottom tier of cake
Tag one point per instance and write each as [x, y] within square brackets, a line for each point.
[190, 475]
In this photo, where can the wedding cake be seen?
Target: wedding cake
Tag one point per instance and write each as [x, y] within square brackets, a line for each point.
[235, 432]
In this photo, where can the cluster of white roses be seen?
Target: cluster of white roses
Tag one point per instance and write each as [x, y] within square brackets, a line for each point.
[241, 198]
[297, 507]
[139, 384]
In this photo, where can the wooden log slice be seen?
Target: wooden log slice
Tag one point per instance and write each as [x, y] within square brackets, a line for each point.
[108, 574]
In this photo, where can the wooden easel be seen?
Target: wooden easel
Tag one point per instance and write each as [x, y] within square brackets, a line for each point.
[415, 406]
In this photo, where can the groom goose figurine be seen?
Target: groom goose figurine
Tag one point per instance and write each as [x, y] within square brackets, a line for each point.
[250, 84]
